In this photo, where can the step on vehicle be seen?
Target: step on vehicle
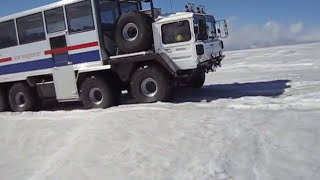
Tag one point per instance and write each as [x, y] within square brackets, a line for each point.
[91, 50]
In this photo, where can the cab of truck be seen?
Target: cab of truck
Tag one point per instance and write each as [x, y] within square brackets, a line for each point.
[190, 38]
[179, 47]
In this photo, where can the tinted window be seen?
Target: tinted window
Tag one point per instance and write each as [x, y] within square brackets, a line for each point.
[109, 13]
[201, 25]
[80, 17]
[31, 28]
[8, 36]
[127, 6]
[55, 20]
[176, 32]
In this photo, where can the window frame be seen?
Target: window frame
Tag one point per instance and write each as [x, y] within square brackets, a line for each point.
[196, 20]
[64, 19]
[115, 14]
[189, 25]
[15, 32]
[43, 25]
[69, 24]
[214, 26]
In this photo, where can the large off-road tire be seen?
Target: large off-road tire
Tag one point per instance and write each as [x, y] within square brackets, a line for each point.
[133, 32]
[151, 84]
[198, 80]
[3, 101]
[96, 93]
[22, 98]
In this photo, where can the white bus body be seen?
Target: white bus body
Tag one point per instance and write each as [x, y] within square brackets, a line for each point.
[34, 59]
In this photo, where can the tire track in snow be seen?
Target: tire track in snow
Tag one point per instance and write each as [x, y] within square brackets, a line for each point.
[56, 160]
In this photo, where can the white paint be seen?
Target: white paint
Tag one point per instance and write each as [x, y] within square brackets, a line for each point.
[184, 54]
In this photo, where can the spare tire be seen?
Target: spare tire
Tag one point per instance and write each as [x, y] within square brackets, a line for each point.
[133, 32]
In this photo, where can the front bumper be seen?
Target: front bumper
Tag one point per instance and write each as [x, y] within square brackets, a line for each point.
[211, 64]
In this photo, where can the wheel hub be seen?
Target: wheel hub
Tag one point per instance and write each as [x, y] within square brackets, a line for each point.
[149, 87]
[20, 99]
[95, 96]
[130, 32]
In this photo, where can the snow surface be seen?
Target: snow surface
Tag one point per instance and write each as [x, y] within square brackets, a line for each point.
[258, 117]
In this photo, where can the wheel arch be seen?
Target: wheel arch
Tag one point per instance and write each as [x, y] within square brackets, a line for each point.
[107, 75]
[125, 67]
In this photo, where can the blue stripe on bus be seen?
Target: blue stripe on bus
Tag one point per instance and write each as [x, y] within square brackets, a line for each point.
[85, 57]
[27, 66]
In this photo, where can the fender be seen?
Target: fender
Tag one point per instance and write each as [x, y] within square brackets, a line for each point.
[124, 66]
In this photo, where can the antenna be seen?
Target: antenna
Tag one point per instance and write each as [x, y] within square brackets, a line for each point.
[171, 5]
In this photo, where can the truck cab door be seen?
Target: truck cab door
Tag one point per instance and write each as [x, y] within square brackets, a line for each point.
[177, 42]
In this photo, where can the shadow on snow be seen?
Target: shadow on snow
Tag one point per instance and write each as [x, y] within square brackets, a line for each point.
[207, 93]
[232, 91]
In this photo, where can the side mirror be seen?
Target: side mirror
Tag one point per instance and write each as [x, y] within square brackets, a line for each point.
[222, 28]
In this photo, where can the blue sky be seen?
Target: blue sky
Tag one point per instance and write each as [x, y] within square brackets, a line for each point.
[246, 11]
[259, 11]
[250, 21]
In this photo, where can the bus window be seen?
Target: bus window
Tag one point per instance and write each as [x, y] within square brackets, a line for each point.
[80, 17]
[109, 13]
[128, 6]
[31, 29]
[55, 20]
[8, 36]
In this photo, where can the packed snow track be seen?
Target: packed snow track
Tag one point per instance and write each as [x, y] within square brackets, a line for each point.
[258, 117]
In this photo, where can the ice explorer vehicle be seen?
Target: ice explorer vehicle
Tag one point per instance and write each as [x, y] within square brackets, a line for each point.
[91, 50]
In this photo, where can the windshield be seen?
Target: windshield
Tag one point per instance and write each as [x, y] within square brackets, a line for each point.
[200, 27]
[211, 27]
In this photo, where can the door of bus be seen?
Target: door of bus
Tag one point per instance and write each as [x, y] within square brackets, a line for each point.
[64, 76]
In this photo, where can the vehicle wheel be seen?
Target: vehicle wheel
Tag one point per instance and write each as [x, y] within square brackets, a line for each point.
[22, 98]
[96, 93]
[151, 84]
[198, 80]
[3, 101]
[133, 32]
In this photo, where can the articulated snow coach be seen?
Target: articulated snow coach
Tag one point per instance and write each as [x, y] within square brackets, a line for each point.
[91, 50]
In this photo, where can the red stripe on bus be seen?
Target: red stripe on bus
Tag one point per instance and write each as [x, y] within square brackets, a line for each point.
[71, 48]
[5, 60]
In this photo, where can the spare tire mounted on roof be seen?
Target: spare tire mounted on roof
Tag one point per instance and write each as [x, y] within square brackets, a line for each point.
[133, 32]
